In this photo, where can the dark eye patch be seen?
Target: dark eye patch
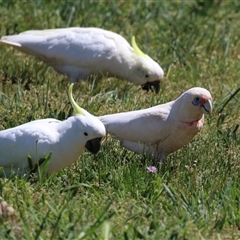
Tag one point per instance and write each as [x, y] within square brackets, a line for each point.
[85, 133]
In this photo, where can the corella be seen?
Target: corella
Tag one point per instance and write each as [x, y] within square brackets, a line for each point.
[81, 52]
[65, 140]
[162, 129]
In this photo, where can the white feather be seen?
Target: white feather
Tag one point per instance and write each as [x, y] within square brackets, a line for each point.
[162, 129]
[66, 141]
[80, 52]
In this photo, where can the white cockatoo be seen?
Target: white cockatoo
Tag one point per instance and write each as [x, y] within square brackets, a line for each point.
[162, 129]
[81, 52]
[66, 140]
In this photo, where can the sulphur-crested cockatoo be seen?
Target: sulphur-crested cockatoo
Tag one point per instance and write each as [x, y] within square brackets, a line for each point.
[81, 52]
[162, 129]
[66, 140]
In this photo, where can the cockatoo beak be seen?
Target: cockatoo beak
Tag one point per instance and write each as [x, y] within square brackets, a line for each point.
[150, 85]
[93, 145]
[207, 106]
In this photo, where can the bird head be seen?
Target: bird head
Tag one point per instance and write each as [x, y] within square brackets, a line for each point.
[145, 71]
[193, 103]
[92, 129]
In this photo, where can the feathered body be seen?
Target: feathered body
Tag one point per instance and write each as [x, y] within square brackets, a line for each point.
[162, 129]
[66, 140]
[81, 52]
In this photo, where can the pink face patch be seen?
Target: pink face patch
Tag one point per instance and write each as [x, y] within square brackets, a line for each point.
[204, 100]
[198, 123]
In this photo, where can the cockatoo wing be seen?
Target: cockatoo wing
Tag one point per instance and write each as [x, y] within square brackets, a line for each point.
[138, 147]
[148, 124]
[33, 139]
[70, 50]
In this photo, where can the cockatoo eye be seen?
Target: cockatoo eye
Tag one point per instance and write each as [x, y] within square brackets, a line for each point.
[146, 75]
[85, 133]
[196, 101]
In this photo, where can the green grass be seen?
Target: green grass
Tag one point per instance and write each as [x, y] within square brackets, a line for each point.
[195, 195]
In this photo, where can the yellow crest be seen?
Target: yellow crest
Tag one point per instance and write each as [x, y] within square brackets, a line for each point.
[136, 48]
[77, 110]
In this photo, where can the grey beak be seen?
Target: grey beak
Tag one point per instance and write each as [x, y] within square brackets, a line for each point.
[93, 145]
[207, 107]
[152, 86]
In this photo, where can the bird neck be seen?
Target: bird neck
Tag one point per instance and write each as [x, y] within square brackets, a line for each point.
[68, 127]
[70, 135]
[127, 61]
[198, 123]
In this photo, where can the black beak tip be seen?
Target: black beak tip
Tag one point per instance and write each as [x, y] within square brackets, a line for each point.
[153, 86]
